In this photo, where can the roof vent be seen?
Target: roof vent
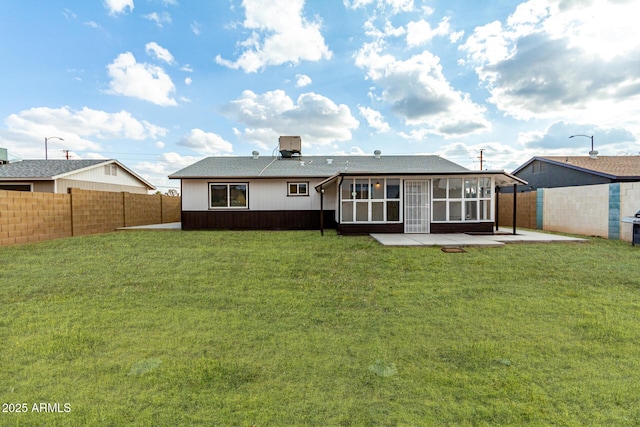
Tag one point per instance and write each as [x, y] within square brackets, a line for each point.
[377, 154]
[290, 145]
[255, 154]
[593, 154]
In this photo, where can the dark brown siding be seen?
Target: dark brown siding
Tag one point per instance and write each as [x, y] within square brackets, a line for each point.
[359, 229]
[465, 227]
[256, 220]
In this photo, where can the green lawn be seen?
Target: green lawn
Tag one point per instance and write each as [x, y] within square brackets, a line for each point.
[292, 328]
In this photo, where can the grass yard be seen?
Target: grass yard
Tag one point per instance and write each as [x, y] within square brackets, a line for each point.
[291, 328]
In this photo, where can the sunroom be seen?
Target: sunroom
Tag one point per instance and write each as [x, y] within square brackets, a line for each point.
[456, 203]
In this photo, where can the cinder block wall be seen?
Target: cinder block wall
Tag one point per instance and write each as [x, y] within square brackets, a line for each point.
[171, 209]
[526, 210]
[580, 210]
[33, 217]
[96, 211]
[141, 209]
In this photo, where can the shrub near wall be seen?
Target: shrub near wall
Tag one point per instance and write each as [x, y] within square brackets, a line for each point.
[33, 217]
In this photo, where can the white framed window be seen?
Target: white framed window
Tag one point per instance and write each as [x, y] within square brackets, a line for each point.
[370, 200]
[297, 189]
[225, 195]
[111, 170]
[461, 199]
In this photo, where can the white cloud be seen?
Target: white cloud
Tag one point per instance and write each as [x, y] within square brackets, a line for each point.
[281, 34]
[116, 7]
[207, 143]
[196, 28]
[93, 24]
[396, 6]
[78, 128]
[139, 80]
[374, 119]
[302, 80]
[420, 32]
[188, 81]
[160, 19]
[158, 171]
[69, 14]
[555, 58]
[370, 29]
[154, 50]
[314, 117]
[419, 93]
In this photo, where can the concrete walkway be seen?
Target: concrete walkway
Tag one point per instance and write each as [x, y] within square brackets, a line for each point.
[461, 239]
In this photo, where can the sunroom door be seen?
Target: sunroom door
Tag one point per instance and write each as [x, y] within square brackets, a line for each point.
[416, 206]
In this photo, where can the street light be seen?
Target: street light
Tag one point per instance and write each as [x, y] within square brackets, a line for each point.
[586, 136]
[46, 151]
[592, 153]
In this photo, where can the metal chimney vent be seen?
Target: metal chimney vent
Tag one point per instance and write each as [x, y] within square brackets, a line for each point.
[290, 145]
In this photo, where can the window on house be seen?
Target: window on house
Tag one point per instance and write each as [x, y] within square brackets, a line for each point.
[297, 189]
[461, 199]
[228, 195]
[111, 170]
[370, 200]
[15, 187]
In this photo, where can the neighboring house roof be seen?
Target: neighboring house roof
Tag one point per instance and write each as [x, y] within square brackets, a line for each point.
[612, 167]
[322, 167]
[46, 170]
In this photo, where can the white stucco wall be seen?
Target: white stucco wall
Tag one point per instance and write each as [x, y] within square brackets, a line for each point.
[580, 210]
[264, 195]
[98, 174]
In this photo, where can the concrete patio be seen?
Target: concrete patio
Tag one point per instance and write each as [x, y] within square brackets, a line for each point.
[460, 239]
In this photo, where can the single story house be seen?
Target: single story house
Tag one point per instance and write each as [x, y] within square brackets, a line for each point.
[57, 176]
[569, 171]
[355, 194]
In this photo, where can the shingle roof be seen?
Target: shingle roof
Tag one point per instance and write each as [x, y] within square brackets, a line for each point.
[611, 166]
[314, 166]
[45, 169]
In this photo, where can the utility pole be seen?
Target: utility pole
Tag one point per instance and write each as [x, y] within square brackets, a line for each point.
[66, 152]
[481, 150]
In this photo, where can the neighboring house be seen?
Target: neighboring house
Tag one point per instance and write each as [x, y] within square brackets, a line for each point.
[57, 176]
[355, 194]
[568, 171]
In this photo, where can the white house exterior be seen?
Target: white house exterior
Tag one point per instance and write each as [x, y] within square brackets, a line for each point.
[57, 176]
[355, 194]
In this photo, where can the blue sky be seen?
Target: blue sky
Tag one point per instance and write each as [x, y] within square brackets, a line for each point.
[160, 84]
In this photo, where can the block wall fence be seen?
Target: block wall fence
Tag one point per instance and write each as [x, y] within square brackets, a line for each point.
[589, 210]
[33, 217]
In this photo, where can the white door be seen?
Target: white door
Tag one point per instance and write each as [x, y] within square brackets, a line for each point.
[416, 206]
